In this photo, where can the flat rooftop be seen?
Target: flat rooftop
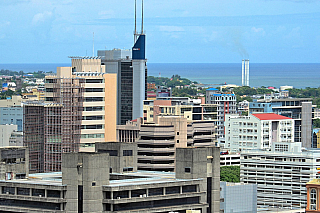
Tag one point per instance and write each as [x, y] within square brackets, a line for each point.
[116, 179]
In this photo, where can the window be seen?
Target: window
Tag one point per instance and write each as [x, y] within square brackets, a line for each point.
[127, 153]
[313, 199]
[94, 80]
[187, 169]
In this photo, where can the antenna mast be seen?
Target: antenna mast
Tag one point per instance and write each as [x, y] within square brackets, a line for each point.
[142, 19]
[135, 21]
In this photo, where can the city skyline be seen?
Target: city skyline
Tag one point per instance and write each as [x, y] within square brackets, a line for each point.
[266, 31]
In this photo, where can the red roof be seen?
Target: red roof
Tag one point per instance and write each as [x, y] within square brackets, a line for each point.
[270, 116]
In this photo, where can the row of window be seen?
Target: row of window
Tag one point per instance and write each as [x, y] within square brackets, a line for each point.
[151, 192]
[92, 136]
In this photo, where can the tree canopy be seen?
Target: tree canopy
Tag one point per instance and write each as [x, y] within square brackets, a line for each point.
[230, 174]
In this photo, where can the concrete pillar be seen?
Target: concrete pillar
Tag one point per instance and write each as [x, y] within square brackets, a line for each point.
[15, 190]
[45, 193]
[164, 190]
[147, 192]
[180, 189]
[129, 193]
[111, 194]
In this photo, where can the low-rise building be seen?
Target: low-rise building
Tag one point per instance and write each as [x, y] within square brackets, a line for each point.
[313, 192]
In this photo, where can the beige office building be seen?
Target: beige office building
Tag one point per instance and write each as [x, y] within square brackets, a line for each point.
[87, 86]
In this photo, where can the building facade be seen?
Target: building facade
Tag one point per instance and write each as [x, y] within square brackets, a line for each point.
[5, 134]
[87, 184]
[158, 142]
[280, 174]
[299, 109]
[12, 115]
[313, 190]
[226, 104]
[191, 109]
[238, 197]
[257, 131]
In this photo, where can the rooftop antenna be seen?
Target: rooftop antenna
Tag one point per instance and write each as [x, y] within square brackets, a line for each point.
[93, 46]
[142, 19]
[135, 21]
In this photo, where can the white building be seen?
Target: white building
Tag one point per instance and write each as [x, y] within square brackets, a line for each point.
[5, 133]
[257, 131]
[281, 174]
[226, 104]
[230, 160]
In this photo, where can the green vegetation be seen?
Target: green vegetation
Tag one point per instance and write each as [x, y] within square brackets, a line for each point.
[308, 92]
[175, 80]
[184, 92]
[6, 94]
[316, 123]
[230, 174]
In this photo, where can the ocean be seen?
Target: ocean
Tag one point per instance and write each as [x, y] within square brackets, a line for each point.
[261, 74]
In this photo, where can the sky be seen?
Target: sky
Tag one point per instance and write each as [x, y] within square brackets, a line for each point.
[177, 31]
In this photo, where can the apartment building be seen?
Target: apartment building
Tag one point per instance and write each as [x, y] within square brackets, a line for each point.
[280, 174]
[191, 109]
[257, 131]
[226, 104]
[299, 109]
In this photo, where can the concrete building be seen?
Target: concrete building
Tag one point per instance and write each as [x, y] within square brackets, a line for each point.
[87, 185]
[16, 139]
[158, 142]
[15, 100]
[230, 159]
[280, 174]
[5, 133]
[191, 109]
[130, 131]
[299, 109]
[226, 104]
[14, 163]
[12, 115]
[238, 198]
[257, 131]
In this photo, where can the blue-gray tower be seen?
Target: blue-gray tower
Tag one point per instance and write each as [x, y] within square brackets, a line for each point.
[139, 68]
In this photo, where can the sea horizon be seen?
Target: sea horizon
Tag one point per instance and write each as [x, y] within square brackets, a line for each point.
[301, 75]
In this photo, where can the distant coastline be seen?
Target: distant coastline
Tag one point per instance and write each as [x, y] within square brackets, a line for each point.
[261, 74]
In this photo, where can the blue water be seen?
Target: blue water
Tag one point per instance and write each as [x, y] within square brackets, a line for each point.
[261, 74]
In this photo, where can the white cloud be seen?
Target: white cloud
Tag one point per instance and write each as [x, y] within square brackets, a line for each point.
[41, 17]
[258, 30]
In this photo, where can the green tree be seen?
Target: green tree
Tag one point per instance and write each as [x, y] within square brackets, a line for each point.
[230, 174]
[316, 123]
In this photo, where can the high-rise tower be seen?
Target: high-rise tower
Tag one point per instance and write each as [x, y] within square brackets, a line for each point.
[131, 69]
